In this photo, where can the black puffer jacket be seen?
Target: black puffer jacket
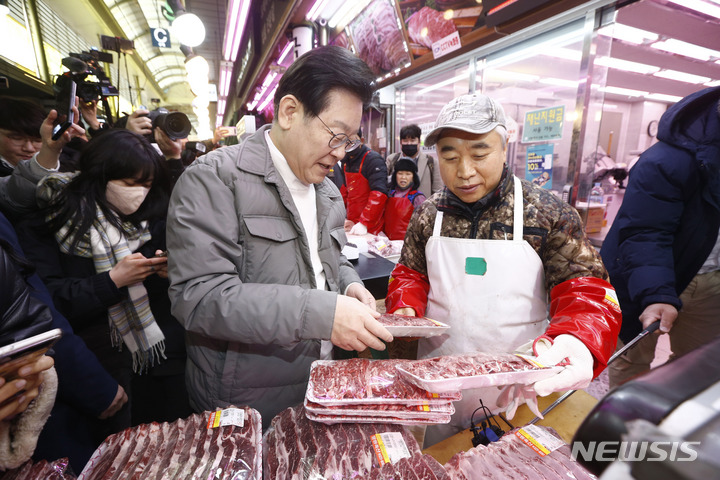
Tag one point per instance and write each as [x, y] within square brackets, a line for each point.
[22, 315]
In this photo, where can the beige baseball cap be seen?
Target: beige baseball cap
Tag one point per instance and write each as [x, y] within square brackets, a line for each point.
[474, 113]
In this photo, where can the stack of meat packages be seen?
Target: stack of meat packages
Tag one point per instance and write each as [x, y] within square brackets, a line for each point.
[299, 449]
[530, 452]
[359, 390]
[42, 470]
[220, 445]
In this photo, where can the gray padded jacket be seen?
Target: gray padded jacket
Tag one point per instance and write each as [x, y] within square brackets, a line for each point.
[242, 282]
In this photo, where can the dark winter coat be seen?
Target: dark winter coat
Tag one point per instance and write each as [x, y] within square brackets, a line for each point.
[668, 222]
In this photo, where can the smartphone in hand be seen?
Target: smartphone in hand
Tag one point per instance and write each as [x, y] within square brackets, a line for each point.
[65, 101]
[18, 354]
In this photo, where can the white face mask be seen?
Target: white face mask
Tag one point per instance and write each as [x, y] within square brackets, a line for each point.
[124, 198]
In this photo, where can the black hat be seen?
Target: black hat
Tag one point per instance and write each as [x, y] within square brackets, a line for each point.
[405, 164]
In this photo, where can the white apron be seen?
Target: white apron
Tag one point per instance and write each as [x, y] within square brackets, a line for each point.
[492, 294]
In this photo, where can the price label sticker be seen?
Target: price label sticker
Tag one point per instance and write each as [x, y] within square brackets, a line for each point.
[541, 441]
[228, 416]
[389, 447]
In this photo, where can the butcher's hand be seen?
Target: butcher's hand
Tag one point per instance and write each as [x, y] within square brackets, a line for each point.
[348, 225]
[357, 290]
[578, 361]
[355, 326]
[409, 311]
[358, 229]
[118, 402]
[664, 312]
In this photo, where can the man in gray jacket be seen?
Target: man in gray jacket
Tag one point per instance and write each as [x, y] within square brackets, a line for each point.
[255, 233]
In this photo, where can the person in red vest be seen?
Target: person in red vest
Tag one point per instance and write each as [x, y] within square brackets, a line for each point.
[403, 198]
[364, 190]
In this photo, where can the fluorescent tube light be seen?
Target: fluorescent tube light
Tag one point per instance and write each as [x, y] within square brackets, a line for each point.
[624, 91]
[512, 75]
[686, 49]
[560, 82]
[270, 96]
[699, 6]
[315, 10]
[681, 76]
[221, 107]
[663, 98]
[619, 64]
[288, 48]
[628, 34]
[564, 53]
[435, 86]
[346, 13]
[234, 27]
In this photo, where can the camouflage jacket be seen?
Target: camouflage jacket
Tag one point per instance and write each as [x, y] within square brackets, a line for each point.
[552, 227]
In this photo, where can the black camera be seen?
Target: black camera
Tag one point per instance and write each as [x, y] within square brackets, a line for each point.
[176, 125]
[92, 82]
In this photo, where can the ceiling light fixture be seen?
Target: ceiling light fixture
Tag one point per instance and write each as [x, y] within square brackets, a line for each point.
[430, 88]
[187, 27]
[315, 10]
[624, 91]
[628, 34]
[663, 97]
[698, 6]
[347, 13]
[288, 48]
[234, 27]
[225, 75]
[686, 49]
[625, 65]
[270, 96]
[560, 82]
[682, 76]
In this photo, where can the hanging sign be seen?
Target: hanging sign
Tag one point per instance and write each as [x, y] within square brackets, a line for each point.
[543, 125]
[160, 37]
[538, 168]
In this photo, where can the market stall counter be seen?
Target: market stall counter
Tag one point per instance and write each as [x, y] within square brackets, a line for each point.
[564, 419]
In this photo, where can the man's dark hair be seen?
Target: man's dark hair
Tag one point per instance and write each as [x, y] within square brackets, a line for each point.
[21, 116]
[410, 131]
[318, 72]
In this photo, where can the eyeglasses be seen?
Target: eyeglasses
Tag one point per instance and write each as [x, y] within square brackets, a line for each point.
[339, 139]
[19, 140]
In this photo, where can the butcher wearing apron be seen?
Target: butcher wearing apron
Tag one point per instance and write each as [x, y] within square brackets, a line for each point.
[492, 294]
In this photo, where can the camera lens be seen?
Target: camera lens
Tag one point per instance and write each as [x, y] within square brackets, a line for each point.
[175, 124]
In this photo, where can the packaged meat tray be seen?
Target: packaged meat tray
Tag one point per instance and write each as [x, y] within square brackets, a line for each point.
[375, 410]
[407, 326]
[451, 373]
[297, 448]
[331, 419]
[59, 469]
[369, 413]
[528, 452]
[225, 444]
[359, 381]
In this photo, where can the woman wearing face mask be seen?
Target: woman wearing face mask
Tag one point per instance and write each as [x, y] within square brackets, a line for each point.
[98, 244]
[427, 169]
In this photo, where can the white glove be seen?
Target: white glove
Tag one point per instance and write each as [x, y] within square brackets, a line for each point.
[358, 229]
[512, 396]
[578, 372]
